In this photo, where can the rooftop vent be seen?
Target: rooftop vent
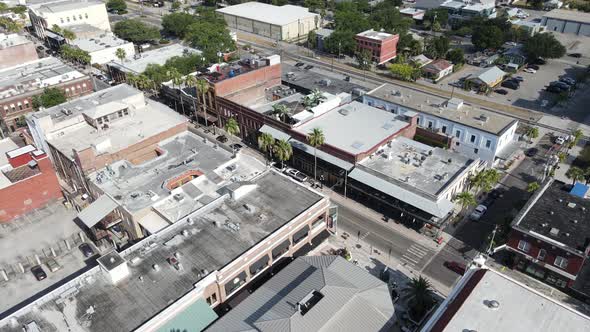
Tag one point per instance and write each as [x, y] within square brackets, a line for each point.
[344, 111]
[178, 197]
[309, 301]
[554, 231]
[492, 304]
[571, 205]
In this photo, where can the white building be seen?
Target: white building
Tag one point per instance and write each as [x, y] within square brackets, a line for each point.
[68, 13]
[103, 48]
[286, 22]
[476, 132]
[466, 10]
[567, 21]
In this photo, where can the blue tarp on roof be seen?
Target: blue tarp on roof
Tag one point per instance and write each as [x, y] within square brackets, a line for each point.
[580, 190]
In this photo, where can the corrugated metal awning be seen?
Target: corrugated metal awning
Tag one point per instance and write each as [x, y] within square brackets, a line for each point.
[438, 209]
[322, 155]
[259, 264]
[153, 223]
[281, 247]
[277, 134]
[99, 209]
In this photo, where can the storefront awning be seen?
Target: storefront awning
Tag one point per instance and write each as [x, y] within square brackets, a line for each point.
[99, 209]
[259, 264]
[277, 134]
[281, 247]
[153, 223]
[322, 155]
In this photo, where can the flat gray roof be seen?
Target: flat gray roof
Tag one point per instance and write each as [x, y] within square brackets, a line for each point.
[520, 308]
[569, 15]
[468, 115]
[158, 56]
[204, 248]
[35, 75]
[352, 300]
[11, 40]
[66, 5]
[146, 118]
[262, 12]
[99, 43]
[355, 127]
[377, 35]
[299, 77]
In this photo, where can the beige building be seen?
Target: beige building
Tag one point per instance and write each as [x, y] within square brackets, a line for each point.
[67, 14]
[288, 22]
[15, 49]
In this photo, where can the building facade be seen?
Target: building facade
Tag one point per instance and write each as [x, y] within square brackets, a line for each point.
[567, 21]
[103, 48]
[16, 49]
[381, 45]
[68, 13]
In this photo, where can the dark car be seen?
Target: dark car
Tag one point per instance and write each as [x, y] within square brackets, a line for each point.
[561, 85]
[299, 64]
[535, 67]
[86, 250]
[495, 193]
[501, 91]
[539, 61]
[575, 55]
[510, 84]
[237, 147]
[222, 138]
[455, 267]
[308, 67]
[531, 152]
[554, 89]
[38, 272]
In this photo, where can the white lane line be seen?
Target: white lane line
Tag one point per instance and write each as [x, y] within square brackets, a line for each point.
[411, 259]
[420, 248]
[415, 252]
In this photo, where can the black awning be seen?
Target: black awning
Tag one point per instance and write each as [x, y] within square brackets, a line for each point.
[281, 248]
[259, 264]
[236, 282]
[300, 234]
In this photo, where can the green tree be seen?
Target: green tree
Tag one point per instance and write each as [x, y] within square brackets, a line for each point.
[485, 180]
[283, 150]
[55, 28]
[211, 38]
[316, 139]
[436, 15]
[312, 40]
[69, 35]
[121, 54]
[456, 56]
[404, 71]
[340, 42]
[577, 134]
[186, 64]
[465, 199]
[314, 5]
[364, 59]
[266, 143]
[420, 291]
[74, 54]
[543, 45]
[136, 31]
[386, 16]
[281, 110]
[119, 5]
[437, 47]
[49, 98]
[575, 174]
[532, 187]
[177, 24]
[280, 2]
[232, 127]
[532, 132]
[176, 5]
[487, 36]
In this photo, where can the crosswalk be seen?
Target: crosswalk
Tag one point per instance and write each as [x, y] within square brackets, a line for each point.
[415, 253]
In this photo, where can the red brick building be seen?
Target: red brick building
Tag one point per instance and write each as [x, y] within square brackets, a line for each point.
[27, 180]
[383, 46]
[550, 237]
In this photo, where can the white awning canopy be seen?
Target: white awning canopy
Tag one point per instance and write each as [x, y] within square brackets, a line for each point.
[153, 223]
[277, 134]
[322, 155]
[99, 209]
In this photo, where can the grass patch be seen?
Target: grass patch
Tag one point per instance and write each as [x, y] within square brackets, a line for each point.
[583, 160]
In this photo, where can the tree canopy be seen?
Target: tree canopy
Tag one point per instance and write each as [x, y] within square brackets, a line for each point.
[487, 36]
[49, 98]
[456, 56]
[118, 5]
[177, 23]
[405, 72]
[136, 31]
[543, 45]
[437, 47]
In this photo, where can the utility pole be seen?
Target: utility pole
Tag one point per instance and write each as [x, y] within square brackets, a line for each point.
[492, 240]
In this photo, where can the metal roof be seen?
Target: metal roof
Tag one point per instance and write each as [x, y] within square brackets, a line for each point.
[153, 223]
[569, 15]
[277, 134]
[99, 209]
[262, 12]
[579, 190]
[490, 75]
[438, 208]
[352, 300]
[194, 318]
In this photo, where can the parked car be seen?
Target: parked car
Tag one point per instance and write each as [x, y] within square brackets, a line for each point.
[533, 67]
[291, 172]
[222, 138]
[299, 64]
[308, 67]
[539, 61]
[501, 91]
[236, 147]
[561, 85]
[559, 140]
[575, 55]
[530, 70]
[511, 84]
[86, 250]
[519, 78]
[554, 89]
[479, 211]
[568, 80]
[455, 267]
[300, 177]
[531, 152]
[53, 265]
[38, 272]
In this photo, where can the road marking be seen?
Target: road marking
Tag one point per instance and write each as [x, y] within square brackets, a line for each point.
[417, 252]
[364, 236]
[410, 259]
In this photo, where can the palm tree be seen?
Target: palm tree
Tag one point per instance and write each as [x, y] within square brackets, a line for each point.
[532, 133]
[233, 128]
[283, 150]
[316, 139]
[191, 82]
[68, 35]
[532, 187]
[202, 88]
[465, 199]
[265, 143]
[420, 291]
[131, 79]
[317, 97]
[575, 174]
[281, 110]
[485, 180]
[55, 28]
[121, 54]
[176, 79]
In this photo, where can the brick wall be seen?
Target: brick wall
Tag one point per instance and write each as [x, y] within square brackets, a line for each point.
[266, 76]
[31, 193]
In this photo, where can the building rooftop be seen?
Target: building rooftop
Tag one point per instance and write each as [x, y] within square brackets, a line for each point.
[52, 7]
[490, 75]
[11, 40]
[139, 186]
[569, 15]
[437, 65]
[262, 12]
[35, 75]
[487, 301]
[206, 242]
[355, 127]
[376, 35]
[69, 129]
[333, 294]
[98, 43]
[468, 115]
[15, 172]
[158, 56]
[306, 80]
[556, 214]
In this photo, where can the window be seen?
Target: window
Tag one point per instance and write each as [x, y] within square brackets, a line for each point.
[444, 129]
[488, 143]
[62, 20]
[561, 262]
[476, 150]
[12, 108]
[26, 104]
[125, 111]
[120, 113]
[457, 143]
[417, 120]
[20, 106]
[6, 108]
[542, 254]
[68, 18]
[86, 15]
[472, 139]
[524, 246]
[458, 133]
[74, 17]
[80, 16]
[430, 124]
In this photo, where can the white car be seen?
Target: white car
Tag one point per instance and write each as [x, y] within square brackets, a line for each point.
[479, 211]
[529, 70]
[560, 140]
